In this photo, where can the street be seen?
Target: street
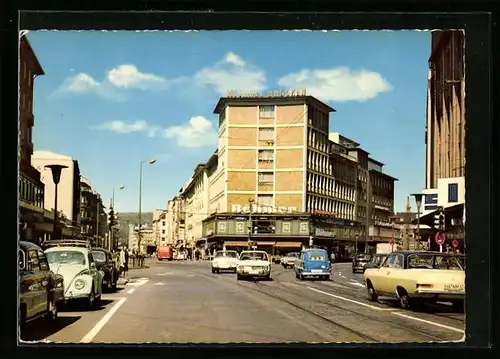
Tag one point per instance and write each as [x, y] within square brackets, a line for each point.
[185, 302]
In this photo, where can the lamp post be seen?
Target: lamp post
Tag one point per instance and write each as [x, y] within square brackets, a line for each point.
[250, 223]
[418, 200]
[151, 161]
[112, 207]
[56, 177]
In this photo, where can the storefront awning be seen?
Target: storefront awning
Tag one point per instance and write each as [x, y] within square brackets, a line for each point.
[235, 243]
[288, 244]
[266, 243]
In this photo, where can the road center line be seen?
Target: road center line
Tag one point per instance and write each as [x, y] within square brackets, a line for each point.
[130, 291]
[350, 300]
[95, 330]
[429, 322]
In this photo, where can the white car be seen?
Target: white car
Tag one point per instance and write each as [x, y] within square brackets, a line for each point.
[253, 264]
[289, 260]
[82, 280]
[225, 260]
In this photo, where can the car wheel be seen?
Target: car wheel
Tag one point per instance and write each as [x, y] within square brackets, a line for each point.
[301, 277]
[404, 301]
[213, 270]
[354, 270]
[326, 277]
[372, 295]
[267, 277]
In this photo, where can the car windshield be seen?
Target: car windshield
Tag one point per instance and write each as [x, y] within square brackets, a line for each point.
[99, 256]
[229, 254]
[260, 256]
[363, 257]
[378, 259]
[316, 257]
[292, 255]
[66, 257]
[426, 261]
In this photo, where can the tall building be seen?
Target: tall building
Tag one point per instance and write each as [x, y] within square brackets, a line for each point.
[68, 202]
[177, 221]
[280, 175]
[31, 188]
[160, 228]
[92, 214]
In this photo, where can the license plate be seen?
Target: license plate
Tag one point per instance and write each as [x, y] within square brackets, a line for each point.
[316, 271]
[255, 268]
[454, 287]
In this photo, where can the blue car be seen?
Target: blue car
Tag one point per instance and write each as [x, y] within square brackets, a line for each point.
[313, 263]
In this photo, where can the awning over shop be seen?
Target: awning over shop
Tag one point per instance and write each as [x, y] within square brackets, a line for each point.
[266, 243]
[236, 243]
[288, 244]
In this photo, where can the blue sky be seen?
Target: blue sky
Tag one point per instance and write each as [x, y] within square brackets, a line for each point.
[113, 99]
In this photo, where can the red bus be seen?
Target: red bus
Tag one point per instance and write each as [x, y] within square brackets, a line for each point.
[165, 252]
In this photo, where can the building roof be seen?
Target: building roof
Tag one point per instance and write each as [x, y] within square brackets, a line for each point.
[38, 68]
[370, 159]
[383, 174]
[310, 100]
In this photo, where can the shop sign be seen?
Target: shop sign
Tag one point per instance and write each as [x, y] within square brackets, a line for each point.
[321, 232]
[237, 208]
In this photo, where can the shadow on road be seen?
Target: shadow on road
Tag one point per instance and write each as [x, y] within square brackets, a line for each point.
[81, 306]
[38, 330]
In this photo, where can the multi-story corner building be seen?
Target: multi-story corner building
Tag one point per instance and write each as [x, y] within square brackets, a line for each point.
[177, 221]
[68, 203]
[160, 227]
[31, 188]
[92, 214]
[132, 237]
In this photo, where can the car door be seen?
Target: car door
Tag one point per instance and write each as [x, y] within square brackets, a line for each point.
[96, 277]
[380, 278]
[45, 275]
[395, 276]
[36, 287]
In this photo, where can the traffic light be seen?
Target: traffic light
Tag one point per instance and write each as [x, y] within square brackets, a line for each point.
[111, 216]
[439, 220]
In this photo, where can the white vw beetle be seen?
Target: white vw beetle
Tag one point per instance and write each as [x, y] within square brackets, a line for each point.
[82, 280]
[253, 264]
[225, 260]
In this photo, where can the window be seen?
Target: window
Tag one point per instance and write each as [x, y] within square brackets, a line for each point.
[163, 223]
[266, 155]
[266, 111]
[266, 134]
[266, 177]
[431, 208]
[431, 198]
[33, 264]
[162, 231]
[265, 200]
[44, 265]
[453, 192]
[389, 263]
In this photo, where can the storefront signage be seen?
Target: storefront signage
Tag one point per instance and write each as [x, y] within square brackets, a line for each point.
[237, 208]
[271, 93]
[320, 232]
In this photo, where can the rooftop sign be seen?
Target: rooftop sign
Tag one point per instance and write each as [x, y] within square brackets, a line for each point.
[270, 93]
[236, 208]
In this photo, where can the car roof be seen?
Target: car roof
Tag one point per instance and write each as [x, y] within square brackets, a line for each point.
[254, 252]
[226, 250]
[66, 248]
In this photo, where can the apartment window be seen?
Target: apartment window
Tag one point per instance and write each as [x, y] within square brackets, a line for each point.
[265, 200]
[266, 111]
[266, 155]
[266, 134]
[453, 192]
[266, 177]
[163, 223]
[431, 198]
[162, 231]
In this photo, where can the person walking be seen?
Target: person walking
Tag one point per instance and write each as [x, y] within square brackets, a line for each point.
[332, 257]
[124, 264]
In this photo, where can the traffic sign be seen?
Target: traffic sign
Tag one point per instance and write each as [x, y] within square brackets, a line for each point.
[440, 238]
[454, 243]
[391, 242]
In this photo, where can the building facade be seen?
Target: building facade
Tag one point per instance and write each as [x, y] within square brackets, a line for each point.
[31, 188]
[160, 228]
[177, 221]
[94, 220]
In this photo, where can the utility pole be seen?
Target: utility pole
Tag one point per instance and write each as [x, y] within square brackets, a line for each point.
[110, 236]
[406, 243]
[97, 223]
[250, 224]
[368, 209]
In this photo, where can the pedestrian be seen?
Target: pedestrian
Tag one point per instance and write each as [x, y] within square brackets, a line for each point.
[332, 257]
[124, 263]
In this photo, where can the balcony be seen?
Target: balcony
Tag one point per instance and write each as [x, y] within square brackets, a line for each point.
[31, 193]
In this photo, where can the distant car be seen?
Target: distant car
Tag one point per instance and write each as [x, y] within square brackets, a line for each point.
[255, 264]
[359, 261]
[165, 253]
[276, 259]
[288, 261]
[224, 260]
[105, 263]
[375, 261]
[82, 279]
[40, 290]
[180, 256]
[313, 263]
[415, 277]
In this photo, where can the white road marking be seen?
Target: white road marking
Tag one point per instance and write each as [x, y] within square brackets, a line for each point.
[130, 291]
[350, 300]
[191, 275]
[356, 284]
[159, 283]
[167, 273]
[95, 330]
[139, 282]
[429, 322]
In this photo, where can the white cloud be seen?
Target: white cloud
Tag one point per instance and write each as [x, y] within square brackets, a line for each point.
[128, 76]
[124, 127]
[197, 132]
[338, 84]
[82, 83]
[231, 73]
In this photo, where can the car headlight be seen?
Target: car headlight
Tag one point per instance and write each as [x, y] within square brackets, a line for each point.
[79, 284]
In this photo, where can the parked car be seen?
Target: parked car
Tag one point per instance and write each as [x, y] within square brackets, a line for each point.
[105, 263]
[313, 263]
[375, 261]
[165, 253]
[288, 261]
[224, 260]
[40, 290]
[415, 277]
[359, 261]
[75, 262]
[276, 258]
[255, 264]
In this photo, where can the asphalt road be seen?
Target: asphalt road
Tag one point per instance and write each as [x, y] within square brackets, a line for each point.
[184, 302]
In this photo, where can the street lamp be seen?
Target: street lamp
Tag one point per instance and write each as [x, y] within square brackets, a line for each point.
[151, 161]
[112, 207]
[418, 200]
[56, 177]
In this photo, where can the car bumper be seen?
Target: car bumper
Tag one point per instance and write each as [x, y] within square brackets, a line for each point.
[314, 274]
[256, 273]
[225, 267]
[439, 295]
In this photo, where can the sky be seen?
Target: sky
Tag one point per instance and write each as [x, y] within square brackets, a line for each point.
[113, 99]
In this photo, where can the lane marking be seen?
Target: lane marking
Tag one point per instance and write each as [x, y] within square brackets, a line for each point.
[356, 284]
[351, 300]
[130, 291]
[191, 275]
[139, 282]
[429, 322]
[159, 283]
[167, 273]
[96, 329]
